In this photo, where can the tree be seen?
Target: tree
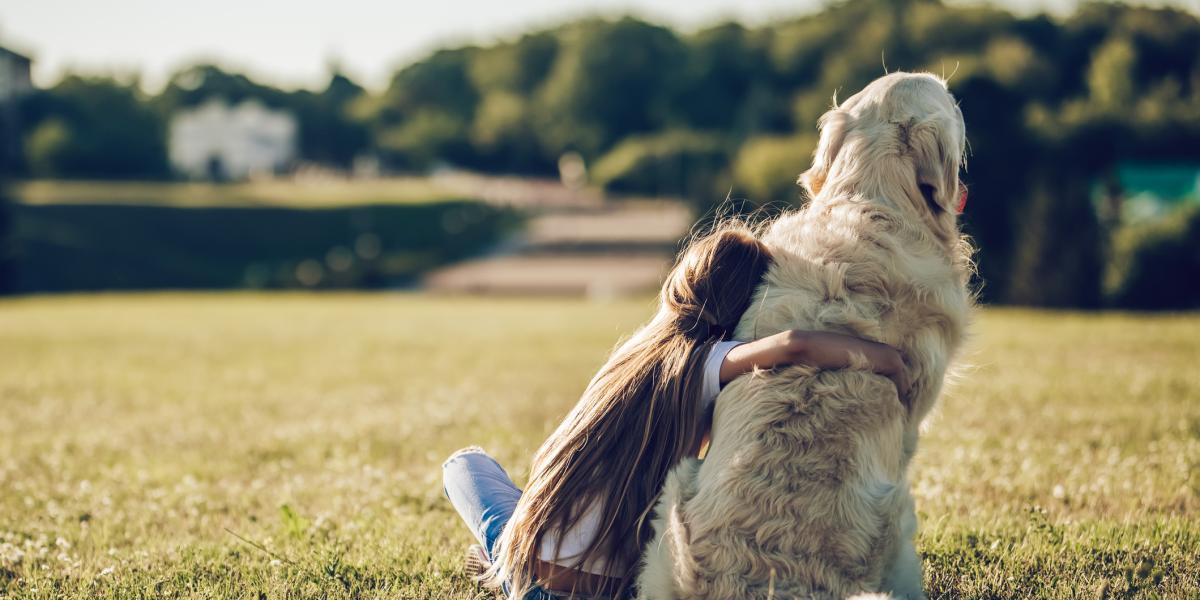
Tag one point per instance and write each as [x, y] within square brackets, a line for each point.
[611, 80]
[198, 84]
[723, 64]
[95, 127]
[678, 163]
[1053, 106]
[505, 77]
[767, 168]
[518, 67]
[425, 115]
[1110, 77]
[329, 132]
[501, 135]
[1157, 265]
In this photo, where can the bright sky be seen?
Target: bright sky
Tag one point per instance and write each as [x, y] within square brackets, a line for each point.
[292, 42]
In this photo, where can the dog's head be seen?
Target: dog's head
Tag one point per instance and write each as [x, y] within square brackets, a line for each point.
[901, 140]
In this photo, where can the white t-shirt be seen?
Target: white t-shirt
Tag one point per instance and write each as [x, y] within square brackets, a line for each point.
[577, 538]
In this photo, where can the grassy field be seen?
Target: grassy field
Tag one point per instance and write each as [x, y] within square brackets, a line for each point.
[278, 193]
[143, 438]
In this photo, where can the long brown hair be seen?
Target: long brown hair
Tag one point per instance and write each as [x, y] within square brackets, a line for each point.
[637, 418]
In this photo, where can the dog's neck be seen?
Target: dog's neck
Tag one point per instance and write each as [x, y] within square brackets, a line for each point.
[881, 218]
[857, 228]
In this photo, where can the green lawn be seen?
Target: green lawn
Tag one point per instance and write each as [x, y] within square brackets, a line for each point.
[278, 193]
[143, 435]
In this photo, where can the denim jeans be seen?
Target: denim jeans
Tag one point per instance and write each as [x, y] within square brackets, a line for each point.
[485, 497]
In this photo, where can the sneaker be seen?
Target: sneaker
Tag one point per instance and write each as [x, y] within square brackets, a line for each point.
[476, 564]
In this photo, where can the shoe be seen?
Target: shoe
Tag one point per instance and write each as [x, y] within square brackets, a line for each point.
[476, 563]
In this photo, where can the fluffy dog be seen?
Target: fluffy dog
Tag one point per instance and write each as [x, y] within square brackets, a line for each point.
[803, 492]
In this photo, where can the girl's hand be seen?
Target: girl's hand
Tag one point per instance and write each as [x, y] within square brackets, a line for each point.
[821, 349]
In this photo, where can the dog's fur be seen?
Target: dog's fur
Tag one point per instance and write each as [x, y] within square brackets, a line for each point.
[803, 492]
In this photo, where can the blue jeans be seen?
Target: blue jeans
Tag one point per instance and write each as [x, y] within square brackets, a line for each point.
[485, 497]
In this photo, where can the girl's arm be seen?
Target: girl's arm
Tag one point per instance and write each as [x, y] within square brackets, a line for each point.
[821, 349]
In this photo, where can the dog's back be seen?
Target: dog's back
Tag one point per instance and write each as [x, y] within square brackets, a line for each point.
[803, 492]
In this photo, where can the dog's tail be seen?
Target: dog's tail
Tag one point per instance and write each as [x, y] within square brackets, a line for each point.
[670, 570]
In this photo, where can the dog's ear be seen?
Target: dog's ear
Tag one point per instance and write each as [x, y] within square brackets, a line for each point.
[936, 165]
[833, 126]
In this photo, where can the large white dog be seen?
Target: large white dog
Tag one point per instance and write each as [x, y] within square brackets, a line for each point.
[804, 492]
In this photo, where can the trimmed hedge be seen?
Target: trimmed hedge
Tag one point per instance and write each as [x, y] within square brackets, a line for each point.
[77, 247]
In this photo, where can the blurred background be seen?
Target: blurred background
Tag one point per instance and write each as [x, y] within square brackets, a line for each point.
[537, 149]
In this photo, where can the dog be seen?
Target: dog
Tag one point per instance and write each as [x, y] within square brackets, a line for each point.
[803, 492]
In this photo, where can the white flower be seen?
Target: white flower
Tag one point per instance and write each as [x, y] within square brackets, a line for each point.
[10, 554]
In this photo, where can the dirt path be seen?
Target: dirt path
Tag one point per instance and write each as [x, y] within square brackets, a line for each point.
[573, 244]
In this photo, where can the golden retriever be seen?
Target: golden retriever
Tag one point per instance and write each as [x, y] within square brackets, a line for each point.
[803, 493]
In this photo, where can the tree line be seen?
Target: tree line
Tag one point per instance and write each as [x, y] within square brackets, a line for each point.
[1053, 107]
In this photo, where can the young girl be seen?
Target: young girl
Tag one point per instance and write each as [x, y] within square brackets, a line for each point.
[579, 527]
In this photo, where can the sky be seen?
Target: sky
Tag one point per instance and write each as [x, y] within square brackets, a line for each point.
[293, 43]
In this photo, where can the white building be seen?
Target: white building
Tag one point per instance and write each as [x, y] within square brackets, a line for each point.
[219, 141]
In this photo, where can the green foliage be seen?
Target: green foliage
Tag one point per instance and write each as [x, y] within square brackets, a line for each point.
[424, 139]
[293, 523]
[198, 84]
[94, 127]
[329, 132]
[90, 246]
[500, 134]
[441, 81]
[675, 163]
[517, 67]
[48, 148]
[766, 168]
[1085, 92]
[1057, 259]
[722, 84]
[1110, 77]
[424, 117]
[611, 80]
[1157, 265]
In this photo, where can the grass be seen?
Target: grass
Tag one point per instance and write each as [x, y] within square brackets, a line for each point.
[267, 193]
[245, 445]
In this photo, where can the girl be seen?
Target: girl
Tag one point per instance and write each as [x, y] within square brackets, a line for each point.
[579, 527]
